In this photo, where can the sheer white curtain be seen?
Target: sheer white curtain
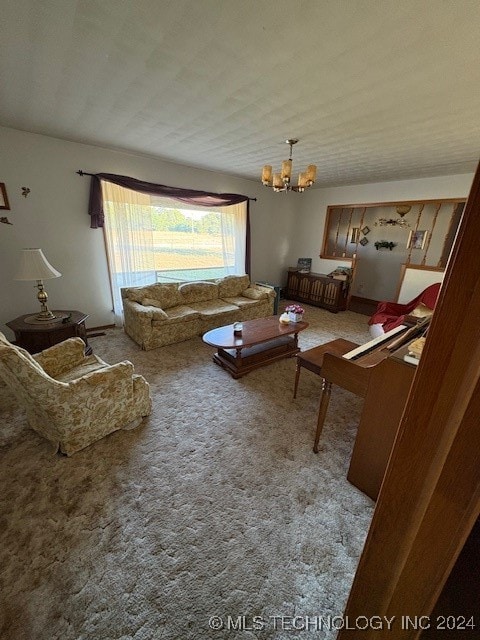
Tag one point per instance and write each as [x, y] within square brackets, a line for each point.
[129, 241]
[137, 252]
[234, 239]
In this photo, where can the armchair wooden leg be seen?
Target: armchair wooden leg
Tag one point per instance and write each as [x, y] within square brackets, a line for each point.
[322, 411]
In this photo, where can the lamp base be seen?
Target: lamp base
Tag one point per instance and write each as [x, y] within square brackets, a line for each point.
[36, 320]
[46, 315]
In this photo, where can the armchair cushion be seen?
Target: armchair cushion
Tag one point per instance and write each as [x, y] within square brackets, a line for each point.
[61, 357]
[391, 314]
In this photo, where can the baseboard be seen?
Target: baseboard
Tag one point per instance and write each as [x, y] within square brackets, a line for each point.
[366, 306]
[100, 328]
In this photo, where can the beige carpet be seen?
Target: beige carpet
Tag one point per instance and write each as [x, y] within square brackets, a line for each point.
[215, 506]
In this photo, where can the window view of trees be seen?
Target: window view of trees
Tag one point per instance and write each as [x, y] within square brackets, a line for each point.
[176, 220]
[188, 244]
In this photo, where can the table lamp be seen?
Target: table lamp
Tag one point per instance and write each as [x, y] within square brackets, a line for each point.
[34, 266]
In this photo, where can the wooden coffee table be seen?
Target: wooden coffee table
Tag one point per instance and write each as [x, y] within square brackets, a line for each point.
[262, 341]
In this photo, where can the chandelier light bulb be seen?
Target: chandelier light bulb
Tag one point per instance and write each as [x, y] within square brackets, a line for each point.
[267, 174]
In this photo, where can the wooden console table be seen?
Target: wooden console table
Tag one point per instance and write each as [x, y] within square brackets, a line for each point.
[317, 289]
[41, 335]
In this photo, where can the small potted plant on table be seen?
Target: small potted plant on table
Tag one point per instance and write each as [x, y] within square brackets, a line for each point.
[295, 312]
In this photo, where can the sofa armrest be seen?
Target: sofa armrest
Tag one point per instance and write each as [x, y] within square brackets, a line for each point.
[138, 311]
[157, 312]
[62, 356]
[270, 291]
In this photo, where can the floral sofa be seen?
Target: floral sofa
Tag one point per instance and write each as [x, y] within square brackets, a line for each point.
[159, 314]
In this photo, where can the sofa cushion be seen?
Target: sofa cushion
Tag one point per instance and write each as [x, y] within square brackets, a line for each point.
[214, 307]
[255, 294]
[242, 302]
[198, 291]
[181, 313]
[232, 286]
[166, 294]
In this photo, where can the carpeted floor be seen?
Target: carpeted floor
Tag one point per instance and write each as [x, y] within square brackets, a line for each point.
[215, 506]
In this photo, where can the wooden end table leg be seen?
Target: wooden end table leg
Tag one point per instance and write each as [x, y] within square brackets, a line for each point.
[322, 411]
[297, 377]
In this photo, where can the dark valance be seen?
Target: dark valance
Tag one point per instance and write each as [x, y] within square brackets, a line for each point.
[187, 196]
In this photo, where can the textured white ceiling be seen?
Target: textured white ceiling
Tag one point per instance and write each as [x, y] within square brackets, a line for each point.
[374, 89]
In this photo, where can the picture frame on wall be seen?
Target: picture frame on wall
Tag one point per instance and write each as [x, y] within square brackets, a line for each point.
[355, 235]
[304, 265]
[4, 204]
[417, 239]
[364, 241]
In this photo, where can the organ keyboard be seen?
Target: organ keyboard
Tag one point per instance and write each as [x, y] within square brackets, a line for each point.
[352, 370]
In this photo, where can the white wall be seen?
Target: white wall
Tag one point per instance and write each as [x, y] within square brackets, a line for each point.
[308, 237]
[416, 281]
[54, 217]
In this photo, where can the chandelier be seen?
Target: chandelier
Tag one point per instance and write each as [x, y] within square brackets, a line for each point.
[402, 210]
[282, 181]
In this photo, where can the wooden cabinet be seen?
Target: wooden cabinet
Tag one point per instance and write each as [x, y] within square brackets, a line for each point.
[317, 289]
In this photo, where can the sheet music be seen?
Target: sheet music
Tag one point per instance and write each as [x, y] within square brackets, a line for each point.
[358, 351]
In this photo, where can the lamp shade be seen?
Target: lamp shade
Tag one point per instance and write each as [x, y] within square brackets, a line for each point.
[34, 266]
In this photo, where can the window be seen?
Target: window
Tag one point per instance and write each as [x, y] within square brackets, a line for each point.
[155, 239]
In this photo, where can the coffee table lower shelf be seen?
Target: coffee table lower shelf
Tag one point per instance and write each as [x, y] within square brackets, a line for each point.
[239, 362]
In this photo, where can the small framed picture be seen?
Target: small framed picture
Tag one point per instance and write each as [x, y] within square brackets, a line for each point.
[304, 265]
[365, 230]
[364, 241]
[3, 197]
[355, 236]
[417, 239]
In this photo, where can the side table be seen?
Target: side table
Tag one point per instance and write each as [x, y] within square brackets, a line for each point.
[41, 335]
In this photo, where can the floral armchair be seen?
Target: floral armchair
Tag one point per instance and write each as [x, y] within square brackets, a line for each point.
[70, 399]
